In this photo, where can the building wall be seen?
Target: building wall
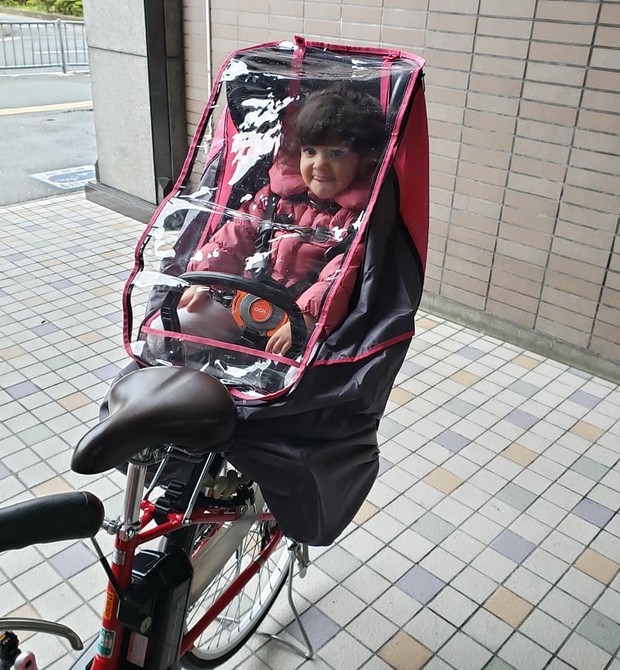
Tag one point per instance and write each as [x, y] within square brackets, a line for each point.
[523, 101]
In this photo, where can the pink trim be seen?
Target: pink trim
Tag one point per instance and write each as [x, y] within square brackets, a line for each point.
[367, 354]
[375, 51]
[184, 337]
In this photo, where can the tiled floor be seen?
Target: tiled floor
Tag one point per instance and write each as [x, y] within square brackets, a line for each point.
[490, 540]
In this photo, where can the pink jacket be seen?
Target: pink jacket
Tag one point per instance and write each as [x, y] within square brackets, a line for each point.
[293, 256]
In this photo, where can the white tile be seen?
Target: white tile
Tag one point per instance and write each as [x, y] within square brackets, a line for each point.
[372, 629]
[470, 495]
[10, 598]
[545, 630]
[475, 584]
[488, 481]
[500, 512]
[397, 606]
[504, 467]
[425, 495]
[429, 629]
[442, 564]
[546, 565]
[453, 511]
[381, 494]
[529, 528]
[436, 663]
[578, 529]
[563, 607]
[476, 453]
[460, 466]
[341, 605]
[344, 651]
[462, 545]
[609, 604]
[482, 528]
[546, 511]
[523, 654]
[453, 606]
[557, 664]
[488, 630]
[605, 496]
[532, 482]
[37, 580]
[391, 564]
[526, 584]
[14, 563]
[366, 584]
[412, 545]
[36, 474]
[416, 465]
[562, 546]
[576, 482]
[464, 653]
[493, 564]
[581, 653]
[404, 510]
[607, 544]
[384, 526]
[57, 602]
[581, 586]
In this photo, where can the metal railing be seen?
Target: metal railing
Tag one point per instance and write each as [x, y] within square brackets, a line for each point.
[38, 44]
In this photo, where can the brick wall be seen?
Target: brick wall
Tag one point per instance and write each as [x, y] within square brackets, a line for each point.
[523, 102]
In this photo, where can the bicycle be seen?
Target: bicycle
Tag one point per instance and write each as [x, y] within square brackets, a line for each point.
[220, 559]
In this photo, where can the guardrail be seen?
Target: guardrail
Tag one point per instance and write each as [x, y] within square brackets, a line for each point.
[42, 44]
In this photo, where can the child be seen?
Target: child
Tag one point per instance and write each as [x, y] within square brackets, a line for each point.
[340, 132]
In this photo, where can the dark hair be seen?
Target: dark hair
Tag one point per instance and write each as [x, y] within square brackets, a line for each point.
[344, 114]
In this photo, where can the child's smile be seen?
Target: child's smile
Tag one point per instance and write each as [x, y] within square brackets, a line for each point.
[327, 170]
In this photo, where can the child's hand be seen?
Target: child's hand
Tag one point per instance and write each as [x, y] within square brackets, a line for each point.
[280, 342]
[193, 297]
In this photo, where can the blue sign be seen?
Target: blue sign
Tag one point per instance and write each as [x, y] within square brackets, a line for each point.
[67, 178]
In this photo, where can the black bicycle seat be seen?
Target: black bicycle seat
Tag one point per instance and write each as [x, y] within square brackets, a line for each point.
[158, 405]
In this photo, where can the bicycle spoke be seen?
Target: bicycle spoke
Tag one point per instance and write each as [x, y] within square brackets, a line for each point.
[241, 616]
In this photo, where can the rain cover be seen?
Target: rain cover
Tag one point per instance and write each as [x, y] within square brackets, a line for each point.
[241, 226]
[234, 224]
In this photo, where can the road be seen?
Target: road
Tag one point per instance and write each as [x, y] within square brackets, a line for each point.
[46, 124]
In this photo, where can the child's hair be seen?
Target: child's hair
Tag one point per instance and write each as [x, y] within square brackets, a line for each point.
[342, 114]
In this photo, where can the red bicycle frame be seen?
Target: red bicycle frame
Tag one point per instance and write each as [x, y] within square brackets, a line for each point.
[108, 655]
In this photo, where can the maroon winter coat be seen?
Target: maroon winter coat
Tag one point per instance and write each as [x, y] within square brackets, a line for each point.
[293, 257]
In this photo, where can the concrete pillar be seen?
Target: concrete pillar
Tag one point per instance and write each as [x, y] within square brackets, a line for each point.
[137, 79]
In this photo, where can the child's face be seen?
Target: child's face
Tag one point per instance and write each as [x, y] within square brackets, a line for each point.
[328, 169]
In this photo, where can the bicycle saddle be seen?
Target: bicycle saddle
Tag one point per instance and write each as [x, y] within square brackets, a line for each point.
[158, 405]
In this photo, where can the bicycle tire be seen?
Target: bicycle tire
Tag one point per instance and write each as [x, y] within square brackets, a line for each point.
[239, 620]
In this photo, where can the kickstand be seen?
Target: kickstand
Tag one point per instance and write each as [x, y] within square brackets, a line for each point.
[299, 554]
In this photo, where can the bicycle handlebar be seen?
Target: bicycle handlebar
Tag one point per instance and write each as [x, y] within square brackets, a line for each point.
[62, 516]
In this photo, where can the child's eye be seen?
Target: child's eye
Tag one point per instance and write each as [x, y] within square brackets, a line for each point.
[308, 151]
[338, 153]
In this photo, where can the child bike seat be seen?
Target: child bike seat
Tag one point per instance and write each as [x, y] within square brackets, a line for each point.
[158, 405]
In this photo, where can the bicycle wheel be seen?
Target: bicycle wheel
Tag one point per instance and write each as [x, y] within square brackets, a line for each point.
[238, 621]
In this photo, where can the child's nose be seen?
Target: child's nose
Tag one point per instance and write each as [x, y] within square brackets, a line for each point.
[320, 160]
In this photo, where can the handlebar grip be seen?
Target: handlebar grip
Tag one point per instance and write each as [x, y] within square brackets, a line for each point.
[62, 516]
